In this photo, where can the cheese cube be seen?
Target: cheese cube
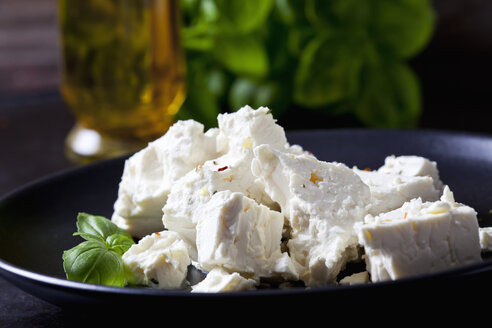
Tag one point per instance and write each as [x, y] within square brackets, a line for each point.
[159, 260]
[238, 235]
[420, 237]
[321, 201]
[390, 190]
[149, 174]
[248, 128]
[220, 281]
[239, 133]
[486, 239]
[356, 278]
[187, 198]
[412, 166]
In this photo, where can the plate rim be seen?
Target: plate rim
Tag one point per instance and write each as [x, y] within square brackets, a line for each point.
[11, 272]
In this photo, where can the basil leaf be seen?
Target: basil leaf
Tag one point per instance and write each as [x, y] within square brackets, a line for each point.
[98, 259]
[348, 14]
[402, 27]
[119, 243]
[298, 39]
[390, 95]
[291, 12]
[242, 16]
[328, 72]
[271, 94]
[202, 104]
[92, 262]
[318, 53]
[93, 226]
[243, 55]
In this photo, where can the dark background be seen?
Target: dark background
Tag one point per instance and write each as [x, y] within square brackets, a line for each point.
[454, 69]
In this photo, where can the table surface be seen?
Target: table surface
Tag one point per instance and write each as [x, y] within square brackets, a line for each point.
[32, 130]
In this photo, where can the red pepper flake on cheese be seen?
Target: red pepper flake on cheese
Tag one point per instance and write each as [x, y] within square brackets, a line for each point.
[314, 178]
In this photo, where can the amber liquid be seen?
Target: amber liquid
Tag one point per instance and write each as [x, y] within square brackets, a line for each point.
[123, 72]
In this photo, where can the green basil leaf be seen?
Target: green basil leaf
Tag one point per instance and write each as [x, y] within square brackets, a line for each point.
[402, 27]
[390, 96]
[98, 259]
[92, 262]
[328, 72]
[119, 243]
[242, 16]
[97, 227]
[242, 55]
[348, 14]
[271, 94]
[201, 103]
[298, 39]
[292, 12]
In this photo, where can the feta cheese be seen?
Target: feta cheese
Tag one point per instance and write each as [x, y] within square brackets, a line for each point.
[412, 166]
[219, 280]
[238, 235]
[248, 128]
[390, 190]
[356, 278]
[159, 260]
[239, 133]
[420, 237]
[486, 239]
[149, 174]
[190, 193]
[239, 203]
[321, 202]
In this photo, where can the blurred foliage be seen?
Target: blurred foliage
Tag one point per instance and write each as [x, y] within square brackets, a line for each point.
[335, 56]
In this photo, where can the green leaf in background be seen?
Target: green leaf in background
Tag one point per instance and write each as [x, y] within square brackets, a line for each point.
[242, 54]
[334, 56]
[292, 12]
[402, 27]
[203, 103]
[298, 39]
[328, 72]
[390, 96]
[242, 15]
[349, 14]
[270, 94]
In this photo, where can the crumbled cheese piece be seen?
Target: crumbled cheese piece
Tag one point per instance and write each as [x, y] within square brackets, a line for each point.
[321, 202]
[486, 239]
[420, 237]
[149, 174]
[159, 260]
[356, 278]
[247, 128]
[190, 193]
[219, 280]
[389, 190]
[238, 235]
[412, 166]
[239, 133]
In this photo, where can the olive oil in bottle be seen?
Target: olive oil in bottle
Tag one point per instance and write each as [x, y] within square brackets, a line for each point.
[123, 73]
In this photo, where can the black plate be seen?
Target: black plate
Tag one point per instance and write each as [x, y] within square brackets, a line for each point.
[37, 222]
